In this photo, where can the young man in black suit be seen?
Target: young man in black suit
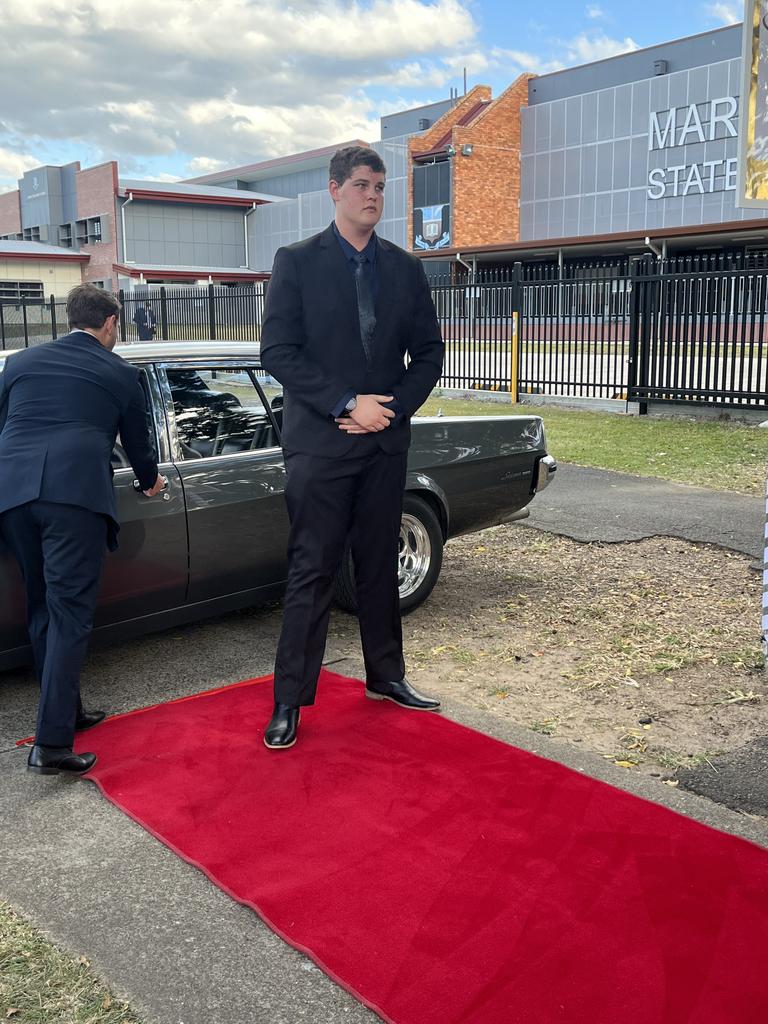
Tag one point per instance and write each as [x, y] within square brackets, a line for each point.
[61, 407]
[344, 310]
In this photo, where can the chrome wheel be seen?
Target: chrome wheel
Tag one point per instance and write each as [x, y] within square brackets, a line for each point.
[414, 556]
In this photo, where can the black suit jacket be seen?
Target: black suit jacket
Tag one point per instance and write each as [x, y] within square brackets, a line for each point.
[311, 343]
[61, 406]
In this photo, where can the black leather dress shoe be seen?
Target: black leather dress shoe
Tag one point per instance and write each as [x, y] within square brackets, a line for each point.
[402, 693]
[282, 728]
[87, 719]
[52, 760]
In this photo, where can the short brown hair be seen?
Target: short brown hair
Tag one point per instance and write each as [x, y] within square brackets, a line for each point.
[345, 160]
[89, 306]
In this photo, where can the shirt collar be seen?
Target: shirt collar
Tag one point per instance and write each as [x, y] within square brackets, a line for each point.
[80, 330]
[351, 252]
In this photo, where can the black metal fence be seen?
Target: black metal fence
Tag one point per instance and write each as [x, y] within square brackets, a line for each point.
[181, 314]
[641, 329]
[574, 330]
[699, 335]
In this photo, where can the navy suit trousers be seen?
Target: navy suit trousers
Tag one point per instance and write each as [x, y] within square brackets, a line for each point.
[60, 551]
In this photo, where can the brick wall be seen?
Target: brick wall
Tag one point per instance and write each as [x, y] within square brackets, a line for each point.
[485, 187]
[429, 139]
[10, 213]
[96, 190]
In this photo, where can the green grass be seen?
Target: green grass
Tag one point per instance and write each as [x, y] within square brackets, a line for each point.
[705, 453]
[39, 984]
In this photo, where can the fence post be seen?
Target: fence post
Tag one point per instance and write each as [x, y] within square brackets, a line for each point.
[211, 312]
[638, 331]
[163, 314]
[123, 332]
[2, 326]
[54, 329]
[515, 298]
[24, 318]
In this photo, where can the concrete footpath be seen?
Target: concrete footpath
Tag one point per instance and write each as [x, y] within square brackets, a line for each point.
[155, 928]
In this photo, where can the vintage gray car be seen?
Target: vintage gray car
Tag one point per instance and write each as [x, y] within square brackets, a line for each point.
[215, 539]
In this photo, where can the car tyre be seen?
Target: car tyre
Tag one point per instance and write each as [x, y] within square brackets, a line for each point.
[420, 558]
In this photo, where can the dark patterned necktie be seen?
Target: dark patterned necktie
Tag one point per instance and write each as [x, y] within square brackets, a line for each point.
[365, 306]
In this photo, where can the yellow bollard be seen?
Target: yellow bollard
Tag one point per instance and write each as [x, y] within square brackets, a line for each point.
[513, 366]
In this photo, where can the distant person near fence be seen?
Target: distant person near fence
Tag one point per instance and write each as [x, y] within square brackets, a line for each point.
[146, 322]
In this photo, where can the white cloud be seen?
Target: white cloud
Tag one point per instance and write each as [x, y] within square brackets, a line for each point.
[204, 165]
[241, 29]
[595, 12]
[728, 14]
[517, 61]
[233, 83]
[12, 167]
[586, 48]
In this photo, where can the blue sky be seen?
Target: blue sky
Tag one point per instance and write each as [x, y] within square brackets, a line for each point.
[186, 87]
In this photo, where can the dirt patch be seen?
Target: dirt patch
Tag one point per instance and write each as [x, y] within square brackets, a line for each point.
[647, 653]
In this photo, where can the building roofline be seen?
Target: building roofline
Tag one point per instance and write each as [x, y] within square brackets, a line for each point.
[239, 274]
[64, 257]
[197, 198]
[640, 49]
[266, 168]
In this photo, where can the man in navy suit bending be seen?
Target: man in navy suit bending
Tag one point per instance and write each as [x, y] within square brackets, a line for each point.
[61, 407]
[350, 331]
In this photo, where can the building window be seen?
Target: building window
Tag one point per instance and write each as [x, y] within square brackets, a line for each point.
[15, 291]
[88, 231]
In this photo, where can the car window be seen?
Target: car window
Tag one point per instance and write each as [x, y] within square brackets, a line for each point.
[218, 412]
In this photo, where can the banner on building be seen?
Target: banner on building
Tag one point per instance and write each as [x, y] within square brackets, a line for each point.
[432, 226]
[752, 182]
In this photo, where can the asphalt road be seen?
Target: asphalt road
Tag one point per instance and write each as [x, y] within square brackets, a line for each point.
[598, 505]
[166, 938]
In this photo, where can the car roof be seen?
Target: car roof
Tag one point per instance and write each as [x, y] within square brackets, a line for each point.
[181, 351]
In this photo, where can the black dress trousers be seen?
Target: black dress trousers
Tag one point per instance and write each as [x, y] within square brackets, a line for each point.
[329, 500]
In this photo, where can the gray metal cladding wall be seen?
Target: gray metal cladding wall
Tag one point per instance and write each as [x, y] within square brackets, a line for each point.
[183, 234]
[649, 154]
[278, 224]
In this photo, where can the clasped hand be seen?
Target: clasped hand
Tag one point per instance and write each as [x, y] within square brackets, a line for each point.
[368, 416]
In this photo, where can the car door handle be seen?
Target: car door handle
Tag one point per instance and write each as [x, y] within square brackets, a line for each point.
[164, 490]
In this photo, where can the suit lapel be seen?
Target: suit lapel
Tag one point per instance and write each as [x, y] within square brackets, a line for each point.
[340, 281]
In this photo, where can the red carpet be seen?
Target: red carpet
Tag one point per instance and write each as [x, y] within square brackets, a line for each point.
[444, 877]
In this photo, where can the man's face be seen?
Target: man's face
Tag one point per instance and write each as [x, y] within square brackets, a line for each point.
[360, 200]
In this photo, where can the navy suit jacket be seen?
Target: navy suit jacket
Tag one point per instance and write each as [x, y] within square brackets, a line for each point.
[61, 406]
[310, 342]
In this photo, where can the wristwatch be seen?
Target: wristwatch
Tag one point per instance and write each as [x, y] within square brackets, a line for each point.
[351, 404]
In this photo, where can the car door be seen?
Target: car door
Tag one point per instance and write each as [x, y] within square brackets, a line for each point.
[149, 572]
[227, 451]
